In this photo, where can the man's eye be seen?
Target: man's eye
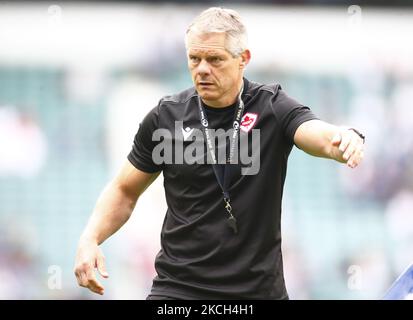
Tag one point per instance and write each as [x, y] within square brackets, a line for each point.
[194, 59]
[215, 59]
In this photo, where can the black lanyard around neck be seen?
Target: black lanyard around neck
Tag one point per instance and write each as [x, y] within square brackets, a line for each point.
[224, 180]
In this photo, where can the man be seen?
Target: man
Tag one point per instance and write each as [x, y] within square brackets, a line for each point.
[221, 235]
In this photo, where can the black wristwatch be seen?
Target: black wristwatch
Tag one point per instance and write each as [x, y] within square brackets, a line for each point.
[362, 136]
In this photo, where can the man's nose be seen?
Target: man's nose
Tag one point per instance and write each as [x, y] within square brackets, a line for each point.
[203, 68]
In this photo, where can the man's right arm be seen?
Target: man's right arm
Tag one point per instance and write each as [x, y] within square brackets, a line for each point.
[112, 210]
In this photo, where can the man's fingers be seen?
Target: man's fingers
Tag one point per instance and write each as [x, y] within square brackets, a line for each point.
[336, 140]
[345, 140]
[83, 280]
[100, 264]
[80, 272]
[77, 276]
[86, 278]
[350, 149]
[96, 287]
[356, 158]
[89, 257]
[93, 284]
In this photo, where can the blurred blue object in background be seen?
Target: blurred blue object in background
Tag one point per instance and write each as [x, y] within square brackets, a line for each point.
[402, 288]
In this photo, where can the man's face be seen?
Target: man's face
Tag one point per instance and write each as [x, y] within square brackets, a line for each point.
[215, 72]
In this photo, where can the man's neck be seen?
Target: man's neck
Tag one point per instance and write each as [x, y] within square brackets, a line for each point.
[228, 100]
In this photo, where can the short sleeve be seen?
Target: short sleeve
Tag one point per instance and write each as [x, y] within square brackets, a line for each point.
[290, 114]
[141, 154]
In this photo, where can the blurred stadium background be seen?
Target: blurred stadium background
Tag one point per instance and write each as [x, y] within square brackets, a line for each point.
[77, 78]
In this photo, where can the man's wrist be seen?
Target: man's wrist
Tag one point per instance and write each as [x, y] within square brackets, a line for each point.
[88, 239]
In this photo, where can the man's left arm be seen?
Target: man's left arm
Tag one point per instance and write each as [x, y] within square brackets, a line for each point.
[321, 139]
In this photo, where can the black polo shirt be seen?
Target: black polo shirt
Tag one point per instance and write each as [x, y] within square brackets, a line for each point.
[200, 256]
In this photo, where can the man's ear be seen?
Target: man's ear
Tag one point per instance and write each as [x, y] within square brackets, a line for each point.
[245, 58]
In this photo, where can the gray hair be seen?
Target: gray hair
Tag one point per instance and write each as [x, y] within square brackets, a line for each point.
[221, 20]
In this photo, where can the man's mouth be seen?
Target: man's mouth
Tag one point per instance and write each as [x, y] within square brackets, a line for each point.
[205, 83]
